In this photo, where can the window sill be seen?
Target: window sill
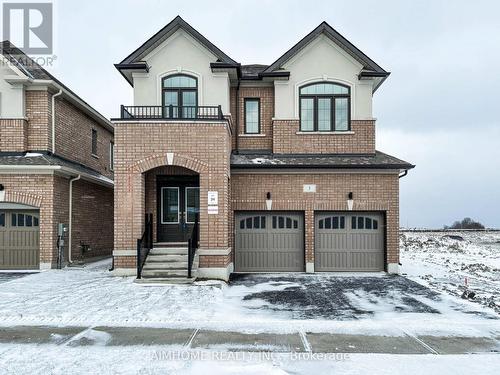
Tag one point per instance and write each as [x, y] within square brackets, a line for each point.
[95, 156]
[326, 133]
[252, 135]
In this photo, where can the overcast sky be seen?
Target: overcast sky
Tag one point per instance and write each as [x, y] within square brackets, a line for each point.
[439, 109]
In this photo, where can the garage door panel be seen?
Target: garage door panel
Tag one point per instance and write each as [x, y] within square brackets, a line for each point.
[274, 242]
[354, 243]
[19, 240]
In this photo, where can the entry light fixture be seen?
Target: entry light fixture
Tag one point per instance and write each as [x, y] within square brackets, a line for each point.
[2, 193]
[269, 201]
[350, 201]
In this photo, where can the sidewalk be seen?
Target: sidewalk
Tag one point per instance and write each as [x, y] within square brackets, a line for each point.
[189, 339]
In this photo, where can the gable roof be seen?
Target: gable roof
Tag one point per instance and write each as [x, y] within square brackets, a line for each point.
[34, 71]
[162, 35]
[370, 67]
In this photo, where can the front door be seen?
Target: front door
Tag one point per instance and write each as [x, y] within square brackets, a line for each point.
[178, 204]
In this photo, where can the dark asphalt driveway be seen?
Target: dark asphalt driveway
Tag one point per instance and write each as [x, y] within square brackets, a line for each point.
[337, 297]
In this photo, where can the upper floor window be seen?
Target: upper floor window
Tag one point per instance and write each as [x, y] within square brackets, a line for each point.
[252, 115]
[324, 106]
[94, 142]
[179, 96]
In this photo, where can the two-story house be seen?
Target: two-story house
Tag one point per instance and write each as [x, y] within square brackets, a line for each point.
[277, 162]
[56, 167]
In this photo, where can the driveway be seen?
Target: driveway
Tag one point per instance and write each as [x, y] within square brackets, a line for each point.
[337, 297]
[9, 276]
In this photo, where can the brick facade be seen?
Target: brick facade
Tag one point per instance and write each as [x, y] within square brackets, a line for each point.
[92, 203]
[372, 192]
[141, 147]
[287, 139]
[264, 140]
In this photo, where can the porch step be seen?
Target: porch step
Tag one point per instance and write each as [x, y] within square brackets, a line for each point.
[167, 258]
[156, 273]
[168, 265]
[168, 250]
[170, 244]
[167, 280]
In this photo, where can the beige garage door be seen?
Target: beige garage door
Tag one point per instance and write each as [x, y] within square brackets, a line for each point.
[19, 239]
[349, 241]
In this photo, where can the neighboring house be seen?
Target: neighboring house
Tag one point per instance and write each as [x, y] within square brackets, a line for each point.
[279, 160]
[55, 158]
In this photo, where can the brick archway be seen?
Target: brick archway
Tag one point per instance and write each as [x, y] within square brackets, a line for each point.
[23, 198]
[159, 160]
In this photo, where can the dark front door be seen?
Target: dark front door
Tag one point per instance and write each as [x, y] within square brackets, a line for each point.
[178, 203]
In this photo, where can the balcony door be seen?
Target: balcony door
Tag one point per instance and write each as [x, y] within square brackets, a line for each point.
[179, 96]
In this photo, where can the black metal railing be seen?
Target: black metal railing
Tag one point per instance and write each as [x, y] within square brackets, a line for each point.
[171, 112]
[144, 244]
[193, 244]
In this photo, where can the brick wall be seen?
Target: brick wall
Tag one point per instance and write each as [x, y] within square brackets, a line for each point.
[38, 112]
[74, 138]
[92, 219]
[372, 192]
[263, 141]
[13, 135]
[361, 139]
[140, 147]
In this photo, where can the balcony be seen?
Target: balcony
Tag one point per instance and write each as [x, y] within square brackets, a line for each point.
[174, 113]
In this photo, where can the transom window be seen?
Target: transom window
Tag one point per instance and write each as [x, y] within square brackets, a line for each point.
[255, 222]
[284, 222]
[179, 96]
[324, 106]
[334, 222]
[362, 222]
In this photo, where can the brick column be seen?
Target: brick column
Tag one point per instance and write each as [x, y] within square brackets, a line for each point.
[309, 239]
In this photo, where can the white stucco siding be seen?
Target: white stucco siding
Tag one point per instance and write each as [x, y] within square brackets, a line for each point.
[322, 60]
[182, 54]
[11, 96]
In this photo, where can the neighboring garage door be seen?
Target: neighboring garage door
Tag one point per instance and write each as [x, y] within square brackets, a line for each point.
[269, 242]
[349, 241]
[19, 240]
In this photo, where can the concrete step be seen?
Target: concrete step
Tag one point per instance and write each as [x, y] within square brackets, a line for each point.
[168, 250]
[167, 258]
[168, 265]
[165, 273]
[167, 280]
[170, 244]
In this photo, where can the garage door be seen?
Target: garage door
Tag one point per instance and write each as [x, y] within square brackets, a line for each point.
[349, 242]
[19, 240]
[269, 242]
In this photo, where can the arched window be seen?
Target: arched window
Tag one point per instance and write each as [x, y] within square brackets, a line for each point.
[179, 96]
[324, 106]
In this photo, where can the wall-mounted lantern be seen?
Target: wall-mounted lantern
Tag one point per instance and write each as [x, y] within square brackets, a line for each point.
[350, 201]
[2, 193]
[269, 201]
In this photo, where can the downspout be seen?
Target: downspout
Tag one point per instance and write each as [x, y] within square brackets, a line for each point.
[70, 222]
[404, 173]
[54, 120]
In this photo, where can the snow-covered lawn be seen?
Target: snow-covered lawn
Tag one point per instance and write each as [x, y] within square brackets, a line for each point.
[445, 261]
[91, 296]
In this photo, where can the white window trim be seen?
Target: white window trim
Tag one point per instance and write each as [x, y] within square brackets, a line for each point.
[186, 204]
[178, 206]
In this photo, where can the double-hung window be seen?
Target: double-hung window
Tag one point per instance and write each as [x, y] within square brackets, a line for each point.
[324, 107]
[252, 116]
[94, 142]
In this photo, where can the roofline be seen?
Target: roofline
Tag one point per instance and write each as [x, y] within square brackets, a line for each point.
[323, 166]
[339, 39]
[97, 116]
[171, 28]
